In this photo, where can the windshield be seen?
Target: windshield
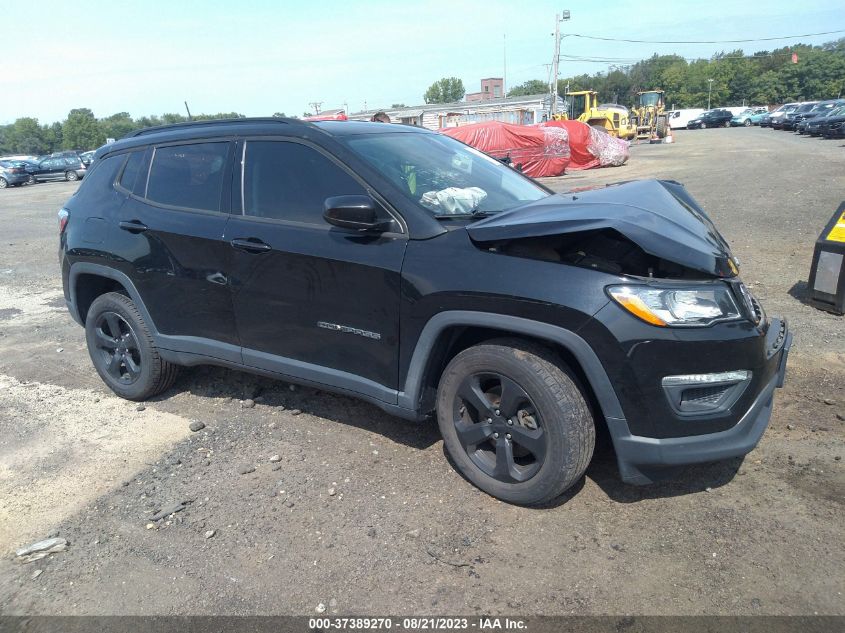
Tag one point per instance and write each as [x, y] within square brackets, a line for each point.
[444, 176]
[650, 99]
[577, 105]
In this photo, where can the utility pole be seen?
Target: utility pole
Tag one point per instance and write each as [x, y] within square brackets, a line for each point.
[190, 118]
[505, 65]
[709, 90]
[316, 105]
[556, 60]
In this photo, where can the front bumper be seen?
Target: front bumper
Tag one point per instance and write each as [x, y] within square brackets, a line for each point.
[641, 459]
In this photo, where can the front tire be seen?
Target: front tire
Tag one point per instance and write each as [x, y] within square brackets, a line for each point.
[515, 421]
[123, 351]
[747, 123]
[703, 126]
[3, 183]
[71, 176]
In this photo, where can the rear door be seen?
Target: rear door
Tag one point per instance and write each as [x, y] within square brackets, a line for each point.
[170, 231]
[312, 300]
[48, 169]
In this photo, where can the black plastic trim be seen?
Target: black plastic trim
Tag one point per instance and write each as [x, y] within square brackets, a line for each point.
[409, 397]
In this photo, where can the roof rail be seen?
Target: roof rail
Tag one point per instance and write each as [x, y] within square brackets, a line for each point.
[191, 124]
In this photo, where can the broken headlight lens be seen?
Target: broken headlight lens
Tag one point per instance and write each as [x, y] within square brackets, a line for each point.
[693, 306]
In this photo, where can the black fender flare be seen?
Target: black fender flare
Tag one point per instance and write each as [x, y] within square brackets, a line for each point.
[89, 268]
[593, 369]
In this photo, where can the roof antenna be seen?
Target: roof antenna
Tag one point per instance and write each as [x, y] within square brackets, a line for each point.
[190, 118]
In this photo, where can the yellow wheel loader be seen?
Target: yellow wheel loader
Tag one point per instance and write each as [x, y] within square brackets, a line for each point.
[649, 116]
[583, 105]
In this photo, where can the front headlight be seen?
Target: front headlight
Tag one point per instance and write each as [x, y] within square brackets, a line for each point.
[692, 306]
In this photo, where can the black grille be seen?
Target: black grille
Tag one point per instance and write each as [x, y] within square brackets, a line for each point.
[704, 395]
[758, 311]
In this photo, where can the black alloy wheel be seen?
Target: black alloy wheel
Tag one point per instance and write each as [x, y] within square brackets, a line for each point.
[117, 345]
[499, 427]
[514, 420]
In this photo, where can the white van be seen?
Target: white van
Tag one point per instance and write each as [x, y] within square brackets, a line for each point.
[678, 119]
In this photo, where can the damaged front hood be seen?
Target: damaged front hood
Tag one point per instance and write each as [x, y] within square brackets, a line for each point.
[659, 216]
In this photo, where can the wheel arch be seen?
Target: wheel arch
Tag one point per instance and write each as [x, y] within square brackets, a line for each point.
[448, 333]
[87, 281]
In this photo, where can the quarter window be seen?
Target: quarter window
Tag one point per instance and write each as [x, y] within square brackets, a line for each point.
[290, 181]
[189, 176]
[131, 171]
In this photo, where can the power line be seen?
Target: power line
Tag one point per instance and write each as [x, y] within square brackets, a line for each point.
[759, 39]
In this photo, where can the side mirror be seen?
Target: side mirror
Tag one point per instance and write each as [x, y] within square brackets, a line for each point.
[358, 213]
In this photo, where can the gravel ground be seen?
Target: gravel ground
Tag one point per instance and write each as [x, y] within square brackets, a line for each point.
[307, 498]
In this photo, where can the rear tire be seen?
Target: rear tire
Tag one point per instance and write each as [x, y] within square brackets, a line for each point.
[123, 351]
[71, 176]
[515, 421]
[3, 183]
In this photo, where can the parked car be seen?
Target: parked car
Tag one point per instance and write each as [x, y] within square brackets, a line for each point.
[746, 117]
[301, 251]
[12, 174]
[821, 109]
[58, 168]
[787, 121]
[86, 158]
[678, 119]
[815, 125]
[767, 120]
[713, 118]
[831, 127]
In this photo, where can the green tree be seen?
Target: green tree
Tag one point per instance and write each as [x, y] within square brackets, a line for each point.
[530, 87]
[25, 136]
[118, 125]
[82, 131]
[445, 90]
[52, 136]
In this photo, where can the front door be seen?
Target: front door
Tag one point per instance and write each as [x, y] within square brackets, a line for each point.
[312, 301]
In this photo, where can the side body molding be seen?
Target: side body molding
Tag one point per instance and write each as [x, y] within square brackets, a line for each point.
[190, 350]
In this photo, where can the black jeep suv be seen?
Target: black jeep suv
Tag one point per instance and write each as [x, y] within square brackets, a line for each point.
[400, 266]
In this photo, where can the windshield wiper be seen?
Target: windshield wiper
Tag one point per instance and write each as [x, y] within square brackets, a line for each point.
[475, 215]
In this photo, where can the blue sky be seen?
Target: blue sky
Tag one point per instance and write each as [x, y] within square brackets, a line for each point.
[258, 58]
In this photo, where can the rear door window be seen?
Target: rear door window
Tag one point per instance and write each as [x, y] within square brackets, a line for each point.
[188, 176]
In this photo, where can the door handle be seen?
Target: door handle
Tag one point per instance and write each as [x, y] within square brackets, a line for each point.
[251, 245]
[133, 226]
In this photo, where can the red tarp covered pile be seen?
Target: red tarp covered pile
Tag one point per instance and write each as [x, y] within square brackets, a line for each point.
[541, 151]
[589, 147]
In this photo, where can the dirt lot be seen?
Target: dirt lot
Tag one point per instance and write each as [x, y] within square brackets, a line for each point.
[363, 513]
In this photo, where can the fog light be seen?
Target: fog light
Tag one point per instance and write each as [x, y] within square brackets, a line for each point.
[827, 274]
[699, 394]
